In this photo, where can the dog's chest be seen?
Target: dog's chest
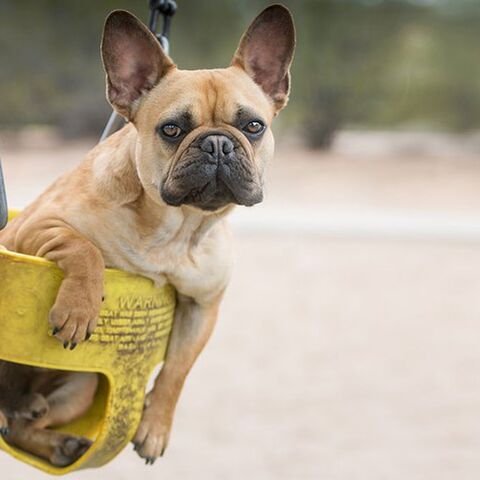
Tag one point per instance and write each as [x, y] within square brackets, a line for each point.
[197, 264]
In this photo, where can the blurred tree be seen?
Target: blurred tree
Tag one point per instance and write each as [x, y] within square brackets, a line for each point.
[359, 63]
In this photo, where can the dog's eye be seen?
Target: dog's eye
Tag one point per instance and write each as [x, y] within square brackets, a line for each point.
[171, 130]
[255, 127]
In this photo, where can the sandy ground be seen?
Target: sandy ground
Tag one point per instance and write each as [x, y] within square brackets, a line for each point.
[333, 358]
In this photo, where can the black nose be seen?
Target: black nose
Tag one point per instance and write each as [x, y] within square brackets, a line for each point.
[217, 146]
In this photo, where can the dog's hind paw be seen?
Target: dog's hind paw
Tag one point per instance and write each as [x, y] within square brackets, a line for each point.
[35, 406]
[69, 450]
[152, 436]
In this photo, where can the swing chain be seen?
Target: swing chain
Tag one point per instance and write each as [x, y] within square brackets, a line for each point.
[167, 8]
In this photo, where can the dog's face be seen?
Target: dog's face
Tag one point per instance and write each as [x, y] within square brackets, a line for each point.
[203, 136]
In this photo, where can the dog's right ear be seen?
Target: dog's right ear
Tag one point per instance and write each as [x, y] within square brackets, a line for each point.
[133, 60]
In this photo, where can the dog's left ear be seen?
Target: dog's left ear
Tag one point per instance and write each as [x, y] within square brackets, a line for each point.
[133, 60]
[266, 52]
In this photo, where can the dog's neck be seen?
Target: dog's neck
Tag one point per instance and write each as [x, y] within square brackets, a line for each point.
[116, 177]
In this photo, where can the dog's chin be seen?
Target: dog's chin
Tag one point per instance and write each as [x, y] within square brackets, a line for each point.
[212, 197]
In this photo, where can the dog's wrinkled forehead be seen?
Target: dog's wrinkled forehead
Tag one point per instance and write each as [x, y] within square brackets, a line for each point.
[211, 98]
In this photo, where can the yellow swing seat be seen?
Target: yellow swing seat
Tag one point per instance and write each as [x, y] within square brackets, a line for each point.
[129, 342]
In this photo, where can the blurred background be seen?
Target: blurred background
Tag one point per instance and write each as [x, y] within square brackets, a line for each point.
[347, 346]
[359, 64]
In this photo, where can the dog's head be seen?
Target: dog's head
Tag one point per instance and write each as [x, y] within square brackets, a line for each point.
[203, 136]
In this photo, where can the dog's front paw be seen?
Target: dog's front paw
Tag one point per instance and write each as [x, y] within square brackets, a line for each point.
[75, 313]
[152, 435]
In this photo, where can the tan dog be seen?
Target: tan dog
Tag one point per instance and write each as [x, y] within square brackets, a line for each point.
[152, 199]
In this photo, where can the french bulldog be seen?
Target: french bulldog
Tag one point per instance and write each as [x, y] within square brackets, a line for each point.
[151, 199]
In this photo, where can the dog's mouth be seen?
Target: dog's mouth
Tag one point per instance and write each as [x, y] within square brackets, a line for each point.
[214, 195]
[211, 197]
[214, 171]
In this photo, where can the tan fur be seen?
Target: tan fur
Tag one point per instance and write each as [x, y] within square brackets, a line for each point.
[68, 396]
[109, 212]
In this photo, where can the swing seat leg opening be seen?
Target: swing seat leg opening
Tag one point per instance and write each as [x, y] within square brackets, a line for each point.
[129, 342]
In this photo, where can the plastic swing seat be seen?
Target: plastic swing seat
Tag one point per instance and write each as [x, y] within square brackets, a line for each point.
[129, 342]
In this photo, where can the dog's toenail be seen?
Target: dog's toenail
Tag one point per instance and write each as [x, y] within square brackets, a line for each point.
[73, 345]
[88, 335]
[65, 344]
[55, 331]
[103, 298]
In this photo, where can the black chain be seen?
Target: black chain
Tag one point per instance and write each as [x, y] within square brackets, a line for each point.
[167, 8]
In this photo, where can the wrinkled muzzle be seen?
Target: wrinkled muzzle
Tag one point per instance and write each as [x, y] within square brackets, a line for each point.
[213, 171]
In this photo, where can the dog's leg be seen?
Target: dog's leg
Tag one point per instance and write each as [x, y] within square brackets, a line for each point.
[76, 309]
[60, 449]
[192, 327]
[15, 399]
[73, 395]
